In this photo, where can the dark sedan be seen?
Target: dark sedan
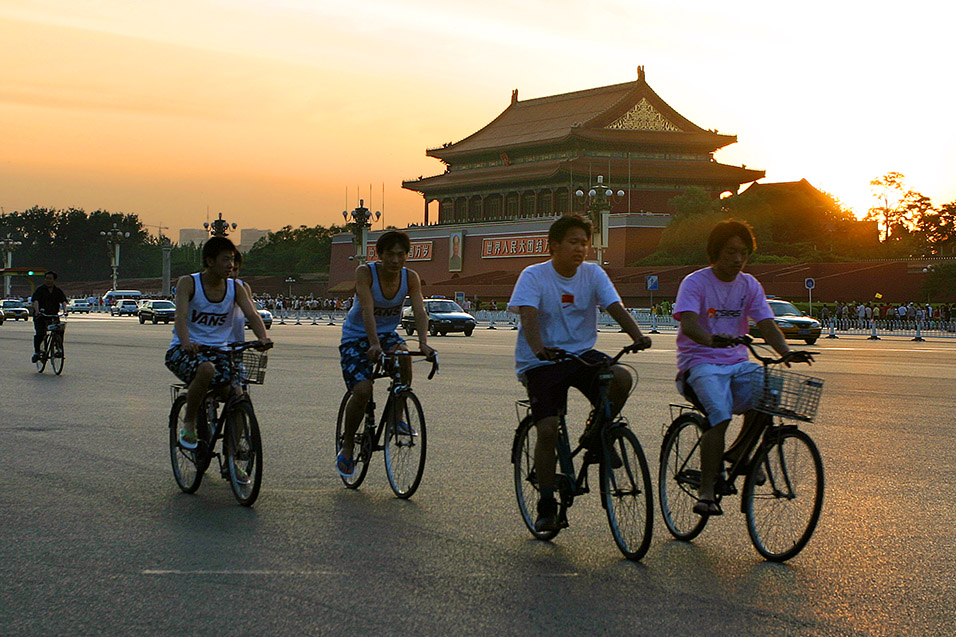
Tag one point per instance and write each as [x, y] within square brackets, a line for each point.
[443, 316]
[156, 311]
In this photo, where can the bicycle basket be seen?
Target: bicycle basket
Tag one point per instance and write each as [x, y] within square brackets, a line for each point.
[253, 367]
[57, 327]
[787, 394]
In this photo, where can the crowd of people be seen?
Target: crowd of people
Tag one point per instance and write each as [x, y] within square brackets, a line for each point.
[855, 315]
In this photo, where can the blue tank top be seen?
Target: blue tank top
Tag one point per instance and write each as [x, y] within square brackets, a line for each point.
[388, 312]
[209, 323]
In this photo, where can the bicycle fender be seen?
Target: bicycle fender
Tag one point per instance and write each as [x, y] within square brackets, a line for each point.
[514, 443]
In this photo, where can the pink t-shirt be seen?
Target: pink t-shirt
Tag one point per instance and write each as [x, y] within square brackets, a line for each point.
[721, 308]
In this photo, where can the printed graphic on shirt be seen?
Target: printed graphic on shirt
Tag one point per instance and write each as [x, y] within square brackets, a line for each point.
[567, 300]
[208, 318]
[715, 314]
[387, 311]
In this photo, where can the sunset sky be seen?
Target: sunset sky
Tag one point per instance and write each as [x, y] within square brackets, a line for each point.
[275, 112]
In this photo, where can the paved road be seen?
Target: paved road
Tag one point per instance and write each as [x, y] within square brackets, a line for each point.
[98, 539]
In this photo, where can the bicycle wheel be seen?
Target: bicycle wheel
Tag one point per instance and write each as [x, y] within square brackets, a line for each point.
[678, 479]
[626, 492]
[783, 512]
[56, 352]
[405, 446]
[243, 452]
[526, 481]
[187, 463]
[361, 451]
[44, 354]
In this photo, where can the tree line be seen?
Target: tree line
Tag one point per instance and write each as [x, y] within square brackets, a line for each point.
[69, 241]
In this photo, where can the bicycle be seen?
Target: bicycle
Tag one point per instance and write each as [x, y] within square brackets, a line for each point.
[625, 479]
[240, 460]
[52, 347]
[405, 433]
[781, 465]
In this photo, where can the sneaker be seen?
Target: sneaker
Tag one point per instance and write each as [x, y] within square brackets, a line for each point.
[36, 357]
[404, 429]
[547, 516]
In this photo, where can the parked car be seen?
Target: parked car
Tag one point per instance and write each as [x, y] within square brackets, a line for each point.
[15, 310]
[792, 322]
[264, 314]
[77, 306]
[124, 306]
[444, 316]
[156, 311]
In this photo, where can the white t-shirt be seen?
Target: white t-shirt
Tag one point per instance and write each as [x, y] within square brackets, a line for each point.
[567, 308]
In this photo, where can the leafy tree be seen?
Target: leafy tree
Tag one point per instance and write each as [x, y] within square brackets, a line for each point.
[292, 251]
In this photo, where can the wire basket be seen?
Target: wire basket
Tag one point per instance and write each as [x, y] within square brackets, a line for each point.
[253, 367]
[786, 394]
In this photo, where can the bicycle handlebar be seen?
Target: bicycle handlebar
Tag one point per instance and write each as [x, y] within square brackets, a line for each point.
[796, 356]
[560, 354]
[401, 352]
[238, 346]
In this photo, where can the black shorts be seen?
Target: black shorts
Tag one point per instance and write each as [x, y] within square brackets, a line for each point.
[548, 384]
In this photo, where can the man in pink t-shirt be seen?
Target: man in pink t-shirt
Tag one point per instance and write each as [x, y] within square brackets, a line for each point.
[713, 305]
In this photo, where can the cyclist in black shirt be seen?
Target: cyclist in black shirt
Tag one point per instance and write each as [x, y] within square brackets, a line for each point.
[48, 299]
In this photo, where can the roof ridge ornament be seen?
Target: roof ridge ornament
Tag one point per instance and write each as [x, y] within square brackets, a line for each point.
[514, 96]
[640, 74]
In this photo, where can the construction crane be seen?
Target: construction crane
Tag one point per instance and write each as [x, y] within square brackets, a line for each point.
[159, 228]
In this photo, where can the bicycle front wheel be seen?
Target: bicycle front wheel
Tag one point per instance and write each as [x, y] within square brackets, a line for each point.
[56, 353]
[526, 480]
[626, 492]
[244, 452]
[187, 463]
[362, 449]
[678, 479]
[44, 355]
[405, 444]
[783, 510]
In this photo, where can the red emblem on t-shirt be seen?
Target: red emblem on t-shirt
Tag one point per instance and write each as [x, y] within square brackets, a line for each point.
[567, 299]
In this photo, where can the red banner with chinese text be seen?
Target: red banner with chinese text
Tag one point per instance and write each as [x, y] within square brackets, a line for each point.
[526, 246]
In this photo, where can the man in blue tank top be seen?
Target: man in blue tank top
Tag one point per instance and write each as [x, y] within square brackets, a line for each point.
[205, 303]
[369, 330]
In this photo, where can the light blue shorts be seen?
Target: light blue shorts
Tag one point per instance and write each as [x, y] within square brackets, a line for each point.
[722, 390]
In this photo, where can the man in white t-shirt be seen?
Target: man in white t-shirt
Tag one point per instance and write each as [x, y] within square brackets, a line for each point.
[558, 302]
[713, 305]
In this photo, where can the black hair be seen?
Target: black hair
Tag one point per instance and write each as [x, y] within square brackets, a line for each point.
[55, 275]
[390, 238]
[237, 263]
[726, 230]
[214, 247]
[560, 228]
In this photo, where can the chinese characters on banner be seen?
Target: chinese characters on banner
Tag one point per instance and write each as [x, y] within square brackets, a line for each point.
[527, 246]
[421, 251]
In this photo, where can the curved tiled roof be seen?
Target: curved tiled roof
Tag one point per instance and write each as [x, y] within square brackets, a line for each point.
[586, 113]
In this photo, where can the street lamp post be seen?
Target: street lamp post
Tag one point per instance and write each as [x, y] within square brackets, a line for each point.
[361, 223]
[8, 245]
[113, 238]
[290, 280]
[598, 205]
[167, 247]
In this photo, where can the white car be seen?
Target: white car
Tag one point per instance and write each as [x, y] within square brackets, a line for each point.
[124, 306]
[79, 305]
[15, 310]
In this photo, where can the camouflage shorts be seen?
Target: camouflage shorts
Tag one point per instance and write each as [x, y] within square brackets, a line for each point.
[185, 366]
[356, 366]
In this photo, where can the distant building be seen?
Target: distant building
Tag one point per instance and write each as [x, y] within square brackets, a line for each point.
[197, 236]
[503, 185]
[249, 238]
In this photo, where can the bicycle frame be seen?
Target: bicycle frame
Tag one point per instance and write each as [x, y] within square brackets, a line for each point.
[388, 367]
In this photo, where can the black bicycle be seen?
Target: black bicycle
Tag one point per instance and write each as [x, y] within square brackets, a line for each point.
[225, 414]
[52, 348]
[608, 442]
[780, 464]
[402, 423]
